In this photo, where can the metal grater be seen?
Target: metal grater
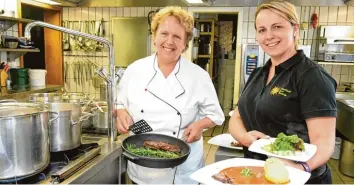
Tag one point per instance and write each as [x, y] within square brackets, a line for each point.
[140, 127]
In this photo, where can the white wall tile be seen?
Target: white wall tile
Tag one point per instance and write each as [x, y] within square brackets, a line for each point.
[98, 13]
[323, 14]
[333, 11]
[251, 30]
[85, 13]
[350, 15]
[252, 11]
[245, 13]
[134, 11]
[147, 10]
[113, 13]
[65, 14]
[245, 30]
[106, 14]
[141, 12]
[77, 14]
[126, 12]
[342, 13]
[119, 12]
[92, 12]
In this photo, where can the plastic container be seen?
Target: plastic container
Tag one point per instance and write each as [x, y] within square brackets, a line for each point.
[19, 78]
[37, 77]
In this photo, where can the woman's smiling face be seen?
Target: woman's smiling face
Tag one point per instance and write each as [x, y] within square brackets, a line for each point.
[274, 33]
[170, 39]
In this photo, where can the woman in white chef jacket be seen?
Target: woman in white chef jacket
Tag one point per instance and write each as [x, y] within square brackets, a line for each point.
[173, 95]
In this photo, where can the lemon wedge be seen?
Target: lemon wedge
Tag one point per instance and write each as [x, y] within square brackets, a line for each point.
[275, 171]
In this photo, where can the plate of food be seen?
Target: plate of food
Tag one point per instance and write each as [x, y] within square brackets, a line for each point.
[287, 147]
[250, 171]
[225, 140]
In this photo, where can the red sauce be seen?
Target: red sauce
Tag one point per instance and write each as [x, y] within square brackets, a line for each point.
[256, 177]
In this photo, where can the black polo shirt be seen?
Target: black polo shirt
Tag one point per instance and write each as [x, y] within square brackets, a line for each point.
[300, 89]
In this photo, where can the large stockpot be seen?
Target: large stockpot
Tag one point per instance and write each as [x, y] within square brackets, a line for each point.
[45, 97]
[80, 98]
[65, 132]
[24, 142]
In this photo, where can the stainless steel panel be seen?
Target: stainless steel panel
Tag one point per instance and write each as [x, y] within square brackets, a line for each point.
[130, 35]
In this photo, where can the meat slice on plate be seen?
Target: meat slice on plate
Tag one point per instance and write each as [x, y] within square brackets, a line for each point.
[162, 146]
[222, 177]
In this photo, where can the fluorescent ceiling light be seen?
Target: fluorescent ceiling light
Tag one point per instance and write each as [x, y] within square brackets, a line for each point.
[195, 1]
[48, 2]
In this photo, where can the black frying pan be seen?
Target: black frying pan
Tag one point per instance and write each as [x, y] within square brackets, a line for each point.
[150, 162]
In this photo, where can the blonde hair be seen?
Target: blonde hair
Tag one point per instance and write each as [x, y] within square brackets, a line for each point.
[285, 10]
[185, 19]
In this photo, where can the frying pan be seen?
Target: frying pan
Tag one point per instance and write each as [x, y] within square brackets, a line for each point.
[151, 162]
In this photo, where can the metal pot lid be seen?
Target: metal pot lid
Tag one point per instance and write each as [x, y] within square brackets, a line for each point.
[20, 109]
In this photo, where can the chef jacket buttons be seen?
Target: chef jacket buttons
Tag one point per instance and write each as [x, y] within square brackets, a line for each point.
[178, 113]
[142, 111]
[174, 133]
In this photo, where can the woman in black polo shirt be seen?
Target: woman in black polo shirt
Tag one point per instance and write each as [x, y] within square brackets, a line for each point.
[290, 94]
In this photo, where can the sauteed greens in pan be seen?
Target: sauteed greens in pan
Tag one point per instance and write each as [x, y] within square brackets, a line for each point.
[148, 152]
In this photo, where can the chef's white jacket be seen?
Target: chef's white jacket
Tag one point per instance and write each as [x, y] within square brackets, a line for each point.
[169, 105]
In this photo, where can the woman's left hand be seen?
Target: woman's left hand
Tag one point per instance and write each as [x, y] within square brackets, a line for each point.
[193, 132]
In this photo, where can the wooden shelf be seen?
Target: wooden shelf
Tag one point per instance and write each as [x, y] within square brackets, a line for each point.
[16, 53]
[19, 50]
[8, 22]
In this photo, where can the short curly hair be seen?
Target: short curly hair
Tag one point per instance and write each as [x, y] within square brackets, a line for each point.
[185, 19]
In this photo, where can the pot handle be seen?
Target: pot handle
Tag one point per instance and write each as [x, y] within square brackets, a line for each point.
[55, 118]
[129, 156]
[82, 118]
[8, 101]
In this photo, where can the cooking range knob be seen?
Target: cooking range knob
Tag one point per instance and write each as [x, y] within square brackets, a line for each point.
[333, 57]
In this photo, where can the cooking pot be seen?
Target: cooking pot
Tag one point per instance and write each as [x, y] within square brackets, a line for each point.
[45, 97]
[24, 143]
[80, 98]
[100, 118]
[65, 132]
[138, 141]
[19, 78]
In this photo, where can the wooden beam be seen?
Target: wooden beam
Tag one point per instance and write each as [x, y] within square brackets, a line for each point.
[53, 49]
[19, 15]
[40, 5]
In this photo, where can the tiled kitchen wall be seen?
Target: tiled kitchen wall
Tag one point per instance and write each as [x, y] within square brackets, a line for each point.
[342, 15]
[327, 16]
[10, 8]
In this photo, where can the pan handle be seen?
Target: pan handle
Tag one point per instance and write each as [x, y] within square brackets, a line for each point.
[129, 156]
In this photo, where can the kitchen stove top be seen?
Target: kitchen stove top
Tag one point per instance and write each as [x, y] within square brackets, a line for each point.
[61, 166]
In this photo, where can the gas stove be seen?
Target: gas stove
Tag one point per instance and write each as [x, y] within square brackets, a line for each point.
[62, 165]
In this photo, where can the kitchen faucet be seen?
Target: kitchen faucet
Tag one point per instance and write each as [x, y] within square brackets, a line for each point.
[109, 78]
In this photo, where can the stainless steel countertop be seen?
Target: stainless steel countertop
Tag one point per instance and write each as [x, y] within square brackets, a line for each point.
[110, 151]
[5, 94]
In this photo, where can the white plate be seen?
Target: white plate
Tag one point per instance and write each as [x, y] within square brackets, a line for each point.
[224, 140]
[310, 150]
[204, 175]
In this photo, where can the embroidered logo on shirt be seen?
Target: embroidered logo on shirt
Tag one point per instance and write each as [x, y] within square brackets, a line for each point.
[279, 91]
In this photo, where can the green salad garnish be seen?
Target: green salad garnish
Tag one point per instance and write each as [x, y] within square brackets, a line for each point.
[285, 145]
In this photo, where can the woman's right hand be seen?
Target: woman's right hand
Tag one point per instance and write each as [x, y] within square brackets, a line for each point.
[251, 136]
[123, 121]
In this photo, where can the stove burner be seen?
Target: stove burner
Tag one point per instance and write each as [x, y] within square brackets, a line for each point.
[58, 160]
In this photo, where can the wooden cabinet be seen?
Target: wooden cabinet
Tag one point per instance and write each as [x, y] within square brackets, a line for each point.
[206, 41]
